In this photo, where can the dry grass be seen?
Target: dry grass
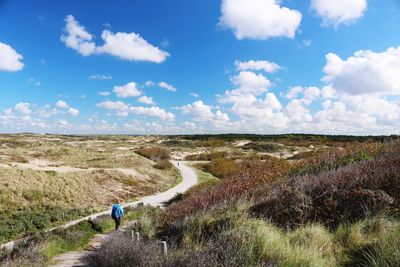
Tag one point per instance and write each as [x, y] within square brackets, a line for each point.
[73, 172]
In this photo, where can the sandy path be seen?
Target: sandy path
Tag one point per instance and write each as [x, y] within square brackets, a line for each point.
[189, 179]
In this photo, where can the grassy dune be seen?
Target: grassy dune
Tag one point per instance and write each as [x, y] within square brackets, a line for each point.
[46, 181]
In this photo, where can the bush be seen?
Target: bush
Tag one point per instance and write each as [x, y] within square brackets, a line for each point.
[119, 250]
[346, 193]
[262, 147]
[221, 167]
[287, 208]
[154, 153]
[247, 177]
[163, 165]
[207, 156]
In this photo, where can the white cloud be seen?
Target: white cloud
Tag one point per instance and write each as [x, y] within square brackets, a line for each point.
[365, 72]
[113, 105]
[259, 19]
[104, 93]
[203, 113]
[126, 46]
[247, 83]
[124, 109]
[294, 92]
[310, 94]
[127, 90]
[100, 77]
[146, 100]
[149, 84]
[77, 37]
[73, 111]
[167, 86]
[339, 11]
[23, 108]
[62, 104]
[194, 95]
[297, 113]
[198, 110]
[257, 65]
[130, 46]
[153, 112]
[10, 60]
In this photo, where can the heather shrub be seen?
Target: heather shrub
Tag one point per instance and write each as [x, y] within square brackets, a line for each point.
[154, 153]
[343, 194]
[247, 178]
[221, 167]
[207, 156]
[163, 165]
[262, 147]
[287, 208]
[120, 250]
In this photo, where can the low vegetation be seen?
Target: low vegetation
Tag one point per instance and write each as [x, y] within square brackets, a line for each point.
[46, 181]
[42, 247]
[336, 207]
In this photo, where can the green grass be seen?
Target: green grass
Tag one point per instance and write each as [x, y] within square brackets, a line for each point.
[72, 239]
[75, 238]
[205, 176]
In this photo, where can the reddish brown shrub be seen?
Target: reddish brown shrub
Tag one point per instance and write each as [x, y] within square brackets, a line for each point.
[346, 193]
[246, 178]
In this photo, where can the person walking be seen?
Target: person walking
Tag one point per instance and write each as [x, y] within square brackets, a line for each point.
[117, 212]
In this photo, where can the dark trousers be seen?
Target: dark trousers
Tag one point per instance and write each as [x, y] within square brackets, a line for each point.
[117, 222]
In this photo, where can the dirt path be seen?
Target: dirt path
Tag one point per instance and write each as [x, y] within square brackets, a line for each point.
[76, 258]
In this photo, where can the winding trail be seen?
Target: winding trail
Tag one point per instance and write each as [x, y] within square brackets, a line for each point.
[189, 179]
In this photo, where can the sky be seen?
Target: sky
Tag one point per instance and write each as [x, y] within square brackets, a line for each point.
[196, 66]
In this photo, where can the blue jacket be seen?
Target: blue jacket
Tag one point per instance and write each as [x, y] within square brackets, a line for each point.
[117, 211]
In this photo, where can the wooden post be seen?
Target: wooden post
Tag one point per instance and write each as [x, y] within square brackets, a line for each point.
[164, 248]
[133, 235]
[137, 237]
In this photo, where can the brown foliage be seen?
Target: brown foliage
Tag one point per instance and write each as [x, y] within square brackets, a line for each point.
[246, 178]
[345, 193]
[154, 153]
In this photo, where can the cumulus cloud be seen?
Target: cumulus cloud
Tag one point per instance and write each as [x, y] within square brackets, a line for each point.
[339, 11]
[113, 105]
[10, 60]
[259, 19]
[257, 65]
[127, 90]
[124, 109]
[77, 38]
[247, 84]
[62, 104]
[365, 72]
[167, 86]
[73, 111]
[130, 46]
[153, 112]
[126, 46]
[104, 93]
[146, 100]
[23, 108]
[201, 112]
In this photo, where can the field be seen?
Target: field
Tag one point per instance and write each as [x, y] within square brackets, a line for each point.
[292, 200]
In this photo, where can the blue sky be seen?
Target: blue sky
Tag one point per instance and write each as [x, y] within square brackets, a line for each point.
[179, 66]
